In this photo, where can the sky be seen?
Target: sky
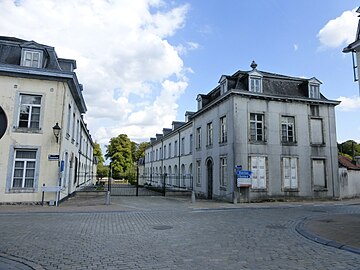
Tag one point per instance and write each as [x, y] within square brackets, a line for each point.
[143, 62]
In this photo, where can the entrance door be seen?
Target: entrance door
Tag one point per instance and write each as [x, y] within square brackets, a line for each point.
[209, 166]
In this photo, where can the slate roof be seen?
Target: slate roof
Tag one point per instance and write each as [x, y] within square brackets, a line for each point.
[52, 67]
[347, 163]
[10, 53]
[272, 84]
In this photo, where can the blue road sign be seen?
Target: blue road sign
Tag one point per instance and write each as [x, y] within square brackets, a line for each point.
[244, 174]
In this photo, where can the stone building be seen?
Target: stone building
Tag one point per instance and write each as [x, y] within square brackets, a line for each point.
[279, 129]
[45, 141]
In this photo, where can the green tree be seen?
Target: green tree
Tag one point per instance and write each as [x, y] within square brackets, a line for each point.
[101, 169]
[119, 152]
[140, 151]
[350, 148]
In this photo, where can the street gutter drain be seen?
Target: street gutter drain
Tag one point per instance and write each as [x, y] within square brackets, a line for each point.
[162, 227]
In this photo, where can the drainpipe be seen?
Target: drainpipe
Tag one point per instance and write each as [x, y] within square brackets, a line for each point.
[179, 159]
[336, 175]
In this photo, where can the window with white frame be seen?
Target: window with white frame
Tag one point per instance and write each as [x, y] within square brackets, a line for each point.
[73, 128]
[223, 171]
[198, 172]
[314, 91]
[288, 129]
[290, 178]
[257, 127]
[223, 130]
[169, 150]
[209, 134]
[32, 58]
[176, 148]
[314, 110]
[190, 143]
[157, 154]
[29, 114]
[198, 138]
[255, 84]
[164, 151]
[68, 122]
[183, 146]
[24, 168]
[258, 168]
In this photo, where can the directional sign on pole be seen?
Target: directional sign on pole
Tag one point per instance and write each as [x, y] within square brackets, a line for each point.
[243, 178]
[244, 174]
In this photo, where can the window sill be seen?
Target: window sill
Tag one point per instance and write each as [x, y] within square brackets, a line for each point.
[222, 143]
[318, 144]
[222, 188]
[210, 146]
[291, 190]
[28, 130]
[21, 190]
[257, 142]
[289, 143]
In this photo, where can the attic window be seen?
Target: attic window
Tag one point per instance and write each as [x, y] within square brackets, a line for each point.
[199, 102]
[314, 91]
[255, 85]
[31, 58]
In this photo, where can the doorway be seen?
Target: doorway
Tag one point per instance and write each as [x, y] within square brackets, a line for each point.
[209, 166]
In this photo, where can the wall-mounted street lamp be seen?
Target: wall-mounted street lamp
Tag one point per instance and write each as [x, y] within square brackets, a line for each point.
[56, 130]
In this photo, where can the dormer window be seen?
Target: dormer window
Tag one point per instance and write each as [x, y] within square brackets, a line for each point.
[199, 102]
[223, 84]
[255, 85]
[314, 91]
[255, 79]
[314, 88]
[31, 58]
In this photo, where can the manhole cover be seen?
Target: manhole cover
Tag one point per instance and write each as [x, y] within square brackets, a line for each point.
[162, 227]
[326, 220]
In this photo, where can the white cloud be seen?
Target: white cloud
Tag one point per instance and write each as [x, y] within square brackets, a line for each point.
[339, 31]
[349, 103]
[296, 47]
[121, 51]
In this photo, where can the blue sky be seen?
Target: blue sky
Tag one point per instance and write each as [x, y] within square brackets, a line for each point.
[142, 63]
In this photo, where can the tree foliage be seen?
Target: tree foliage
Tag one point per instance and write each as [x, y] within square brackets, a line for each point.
[120, 154]
[140, 150]
[101, 169]
[350, 148]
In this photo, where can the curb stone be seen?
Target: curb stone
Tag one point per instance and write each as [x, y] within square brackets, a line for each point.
[300, 228]
[16, 261]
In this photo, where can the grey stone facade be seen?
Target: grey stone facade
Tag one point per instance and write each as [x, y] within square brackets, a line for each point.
[280, 128]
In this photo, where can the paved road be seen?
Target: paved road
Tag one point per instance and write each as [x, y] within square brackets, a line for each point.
[170, 233]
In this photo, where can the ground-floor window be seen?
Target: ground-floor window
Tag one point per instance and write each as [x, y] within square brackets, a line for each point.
[318, 173]
[223, 171]
[198, 172]
[24, 169]
[258, 168]
[289, 168]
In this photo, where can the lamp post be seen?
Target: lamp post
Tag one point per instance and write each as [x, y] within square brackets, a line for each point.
[56, 130]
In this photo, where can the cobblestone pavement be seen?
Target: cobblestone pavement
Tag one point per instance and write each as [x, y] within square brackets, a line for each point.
[170, 233]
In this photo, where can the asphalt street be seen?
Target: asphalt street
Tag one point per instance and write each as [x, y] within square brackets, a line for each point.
[173, 233]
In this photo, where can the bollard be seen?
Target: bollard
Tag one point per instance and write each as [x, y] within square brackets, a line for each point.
[107, 198]
[235, 199]
[193, 197]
